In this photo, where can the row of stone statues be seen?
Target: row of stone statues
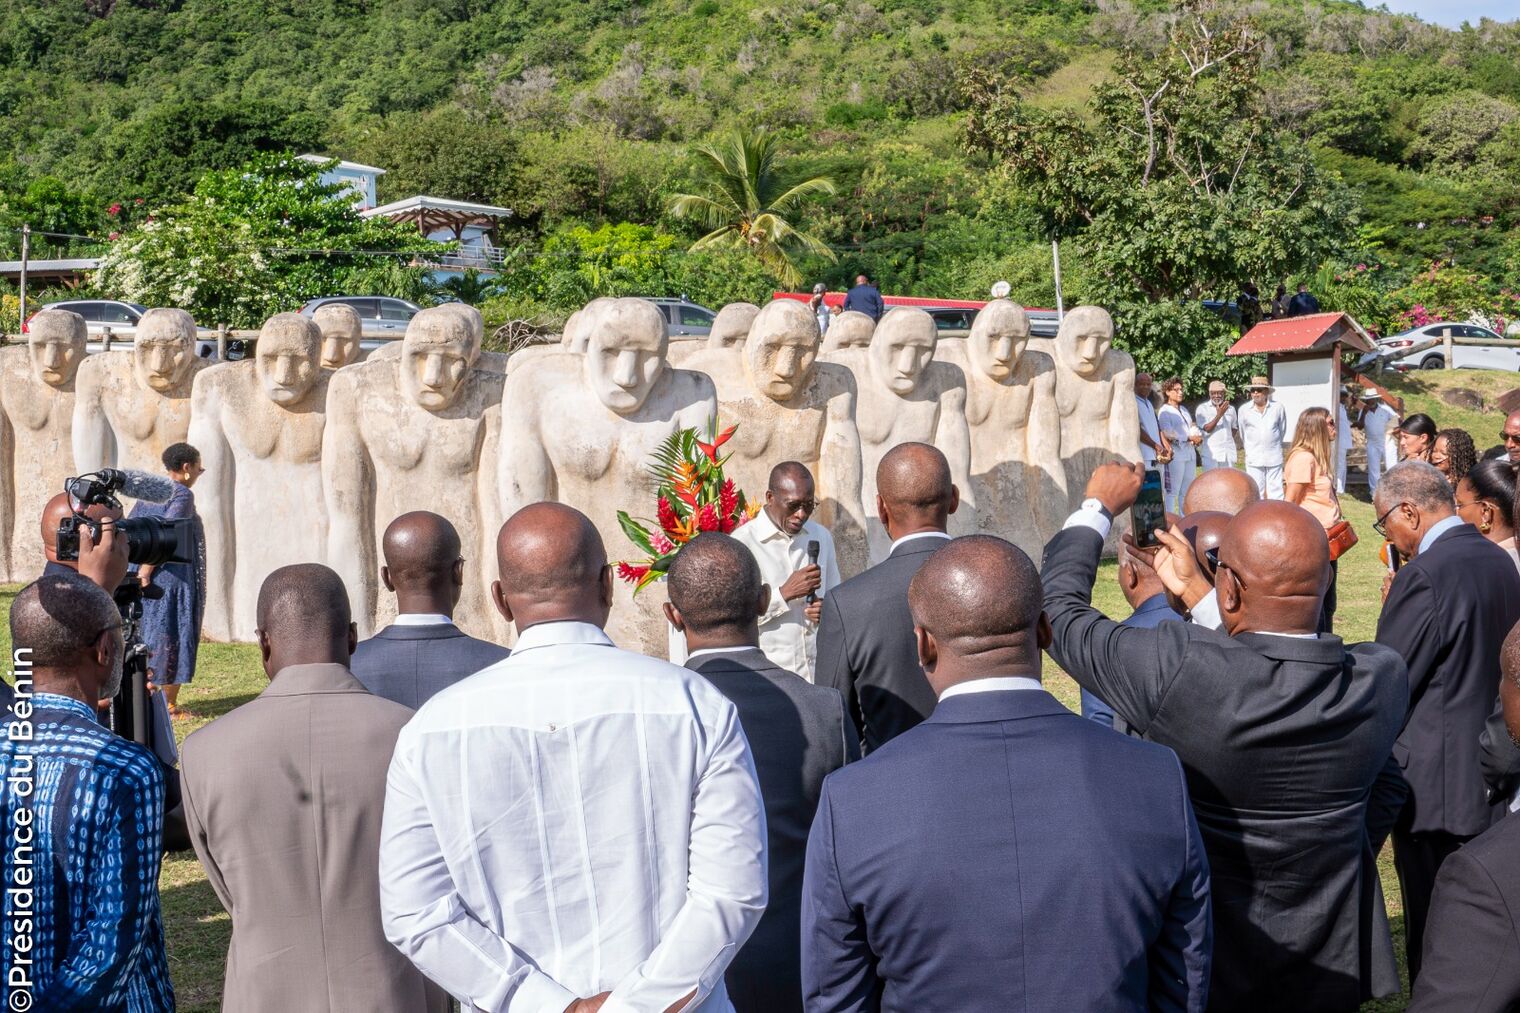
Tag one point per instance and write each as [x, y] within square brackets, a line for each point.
[309, 454]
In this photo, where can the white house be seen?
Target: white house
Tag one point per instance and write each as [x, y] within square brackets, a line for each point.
[359, 180]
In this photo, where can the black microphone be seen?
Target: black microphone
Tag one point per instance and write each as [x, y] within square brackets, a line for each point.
[140, 485]
[812, 596]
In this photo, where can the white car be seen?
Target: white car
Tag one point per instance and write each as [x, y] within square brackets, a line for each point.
[100, 314]
[1497, 356]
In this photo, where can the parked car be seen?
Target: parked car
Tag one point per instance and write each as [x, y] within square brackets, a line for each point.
[379, 315]
[100, 314]
[684, 318]
[952, 321]
[1465, 356]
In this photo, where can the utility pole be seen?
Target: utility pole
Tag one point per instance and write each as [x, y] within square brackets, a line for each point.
[26, 252]
[1055, 256]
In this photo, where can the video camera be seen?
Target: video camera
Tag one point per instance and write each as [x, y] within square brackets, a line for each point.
[151, 541]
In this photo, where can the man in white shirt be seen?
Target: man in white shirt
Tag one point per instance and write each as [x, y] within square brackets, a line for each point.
[1378, 422]
[1217, 421]
[1342, 443]
[577, 827]
[1151, 439]
[1263, 429]
[782, 538]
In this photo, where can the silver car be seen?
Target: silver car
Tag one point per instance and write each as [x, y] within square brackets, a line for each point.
[1466, 356]
[381, 316]
[99, 314]
[683, 318]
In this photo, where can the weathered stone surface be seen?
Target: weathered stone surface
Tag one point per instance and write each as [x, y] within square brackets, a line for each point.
[907, 397]
[131, 406]
[1095, 394]
[36, 420]
[731, 326]
[341, 332]
[850, 329]
[416, 430]
[258, 425]
[580, 429]
[1016, 470]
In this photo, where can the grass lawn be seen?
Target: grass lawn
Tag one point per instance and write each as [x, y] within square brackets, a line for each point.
[229, 675]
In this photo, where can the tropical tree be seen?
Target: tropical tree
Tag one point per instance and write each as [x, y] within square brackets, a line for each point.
[751, 204]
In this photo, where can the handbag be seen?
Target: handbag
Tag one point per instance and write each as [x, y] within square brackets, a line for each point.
[1342, 537]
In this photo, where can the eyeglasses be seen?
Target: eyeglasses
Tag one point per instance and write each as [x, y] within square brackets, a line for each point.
[1216, 564]
[1378, 525]
[1509, 437]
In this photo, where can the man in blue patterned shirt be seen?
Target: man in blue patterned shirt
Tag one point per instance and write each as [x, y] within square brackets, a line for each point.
[83, 812]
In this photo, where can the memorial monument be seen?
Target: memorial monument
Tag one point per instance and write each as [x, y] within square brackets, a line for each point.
[342, 331]
[1095, 394]
[850, 329]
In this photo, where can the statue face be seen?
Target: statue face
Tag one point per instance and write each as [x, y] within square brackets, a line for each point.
[625, 354]
[780, 349]
[901, 350]
[1084, 339]
[288, 358]
[995, 350]
[341, 330]
[164, 349]
[436, 356]
[55, 341]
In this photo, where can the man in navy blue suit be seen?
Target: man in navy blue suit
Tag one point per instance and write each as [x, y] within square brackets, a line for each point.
[1004, 854]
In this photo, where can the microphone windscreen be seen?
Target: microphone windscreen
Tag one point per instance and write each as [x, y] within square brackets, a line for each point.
[144, 486]
[813, 551]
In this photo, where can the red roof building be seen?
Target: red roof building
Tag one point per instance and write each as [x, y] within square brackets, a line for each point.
[1314, 332]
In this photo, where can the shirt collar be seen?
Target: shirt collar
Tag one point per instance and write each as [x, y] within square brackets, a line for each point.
[422, 619]
[1293, 636]
[560, 634]
[767, 527]
[1438, 529]
[995, 684]
[918, 534]
[694, 655]
[57, 701]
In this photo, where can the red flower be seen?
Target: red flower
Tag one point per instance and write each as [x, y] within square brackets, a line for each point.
[114, 209]
[632, 574]
[728, 499]
[707, 519]
[711, 449]
[662, 545]
[666, 512]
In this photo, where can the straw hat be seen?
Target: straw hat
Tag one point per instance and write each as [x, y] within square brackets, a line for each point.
[1259, 383]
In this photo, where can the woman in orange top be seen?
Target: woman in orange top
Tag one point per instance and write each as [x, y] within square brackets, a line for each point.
[1309, 481]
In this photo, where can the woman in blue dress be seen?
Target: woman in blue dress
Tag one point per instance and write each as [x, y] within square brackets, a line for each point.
[171, 625]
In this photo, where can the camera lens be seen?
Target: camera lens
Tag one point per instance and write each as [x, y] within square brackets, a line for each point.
[153, 541]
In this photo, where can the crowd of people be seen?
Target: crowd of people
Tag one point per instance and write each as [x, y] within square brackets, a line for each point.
[853, 794]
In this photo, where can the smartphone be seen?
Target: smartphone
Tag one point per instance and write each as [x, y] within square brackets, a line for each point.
[1148, 515]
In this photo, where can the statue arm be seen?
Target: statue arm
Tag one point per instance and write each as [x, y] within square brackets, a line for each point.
[1043, 434]
[91, 431]
[1123, 419]
[347, 491]
[524, 473]
[840, 472]
[953, 438]
[215, 502]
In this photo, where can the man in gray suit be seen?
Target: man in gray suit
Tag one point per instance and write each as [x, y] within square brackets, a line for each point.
[798, 733]
[284, 798]
[865, 634]
[422, 652]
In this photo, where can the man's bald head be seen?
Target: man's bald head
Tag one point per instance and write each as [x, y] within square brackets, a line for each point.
[1274, 569]
[790, 496]
[1205, 530]
[715, 584]
[976, 606]
[53, 514]
[913, 489]
[1225, 490]
[304, 618]
[423, 564]
[1512, 435]
[552, 566]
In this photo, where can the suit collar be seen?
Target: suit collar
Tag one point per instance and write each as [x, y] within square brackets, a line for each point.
[1438, 532]
[307, 680]
[751, 658]
[1011, 705]
[437, 632]
[918, 542]
[1327, 649]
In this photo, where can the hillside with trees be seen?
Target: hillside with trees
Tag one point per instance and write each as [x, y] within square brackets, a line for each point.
[1178, 152]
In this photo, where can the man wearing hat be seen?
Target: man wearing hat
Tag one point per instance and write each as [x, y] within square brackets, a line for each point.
[1378, 421]
[1263, 427]
[1217, 420]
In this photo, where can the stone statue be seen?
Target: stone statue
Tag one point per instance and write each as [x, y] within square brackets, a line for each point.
[907, 397]
[495, 362]
[258, 426]
[850, 329]
[416, 430]
[1016, 470]
[729, 329]
[341, 332]
[580, 429]
[130, 407]
[1095, 393]
[36, 416]
[572, 339]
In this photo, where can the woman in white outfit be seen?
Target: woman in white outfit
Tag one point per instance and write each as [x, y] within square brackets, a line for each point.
[1177, 423]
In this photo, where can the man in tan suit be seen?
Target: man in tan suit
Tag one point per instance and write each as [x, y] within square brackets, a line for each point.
[284, 798]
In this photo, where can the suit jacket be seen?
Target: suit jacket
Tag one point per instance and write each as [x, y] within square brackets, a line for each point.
[798, 734]
[1447, 614]
[1473, 932]
[1281, 740]
[408, 664]
[866, 648]
[284, 797]
[1006, 855]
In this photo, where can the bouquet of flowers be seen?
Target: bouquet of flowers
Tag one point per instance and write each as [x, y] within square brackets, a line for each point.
[692, 496]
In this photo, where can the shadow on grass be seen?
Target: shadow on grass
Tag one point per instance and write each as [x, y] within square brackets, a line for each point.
[197, 932]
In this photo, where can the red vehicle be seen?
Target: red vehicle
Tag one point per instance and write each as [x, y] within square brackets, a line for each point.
[952, 317]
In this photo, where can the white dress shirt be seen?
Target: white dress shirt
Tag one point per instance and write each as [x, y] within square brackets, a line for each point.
[1220, 443]
[917, 535]
[1263, 433]
[1377, 421]
[992, 684]
[422, 619]
[574, 819]
[786, 636]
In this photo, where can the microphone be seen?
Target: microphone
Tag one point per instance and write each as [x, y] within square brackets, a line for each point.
[812, 551]
[144, 486]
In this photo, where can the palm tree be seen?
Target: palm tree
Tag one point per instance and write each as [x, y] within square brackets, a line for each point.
[749, 203]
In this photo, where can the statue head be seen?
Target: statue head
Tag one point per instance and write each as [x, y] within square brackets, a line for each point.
[850, 329]
[440, 346]
[164, 349]
[1084, 339]
[55, 340]
[781, 348]
[625, 353]
[998, 336]
[732, 324]
[584, 322]
[288, 358]
[902, 347]
[341, 331]
[572, 328]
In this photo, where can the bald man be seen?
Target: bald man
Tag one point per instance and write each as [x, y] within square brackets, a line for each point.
[1024, 896]
[1511, 435]
[1226, 490]
[577, 825]
[284, 796]
[421, 652]
[1282, 733]
[865, 634]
